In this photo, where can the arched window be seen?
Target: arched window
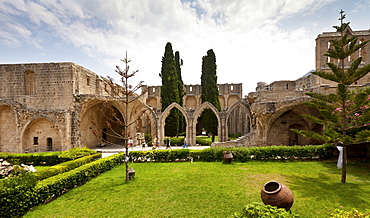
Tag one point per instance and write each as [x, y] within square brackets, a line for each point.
[30, 83]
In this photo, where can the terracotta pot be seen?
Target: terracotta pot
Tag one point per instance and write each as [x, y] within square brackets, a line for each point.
[228, 156]
[276, 194]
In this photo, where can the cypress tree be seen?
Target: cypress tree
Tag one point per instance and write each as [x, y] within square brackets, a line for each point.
[210, 92]
[181, 91]
[169, 90]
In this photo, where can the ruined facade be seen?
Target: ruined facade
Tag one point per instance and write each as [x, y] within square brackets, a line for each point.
[58, 106]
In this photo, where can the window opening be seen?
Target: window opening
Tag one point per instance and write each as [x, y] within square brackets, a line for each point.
[30, 83]
[35, 140]
[88, 81]
[49, 144]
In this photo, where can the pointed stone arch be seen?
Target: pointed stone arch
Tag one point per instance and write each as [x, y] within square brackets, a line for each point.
[164, 115]
[137, 112]
[38, 132]
[97, 123]
[246, 117]
[279, 125]
[198, 112]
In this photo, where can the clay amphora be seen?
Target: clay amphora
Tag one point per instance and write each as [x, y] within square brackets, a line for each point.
[228, 156]
[276, 194]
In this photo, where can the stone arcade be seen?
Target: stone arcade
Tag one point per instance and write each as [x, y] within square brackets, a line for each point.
[51, 106]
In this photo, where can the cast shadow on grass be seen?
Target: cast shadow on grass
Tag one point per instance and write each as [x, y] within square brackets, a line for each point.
[326, 186]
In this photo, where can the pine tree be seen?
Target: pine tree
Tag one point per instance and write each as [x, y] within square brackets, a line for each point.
[210, 92]
[345, 114]
[169, 90]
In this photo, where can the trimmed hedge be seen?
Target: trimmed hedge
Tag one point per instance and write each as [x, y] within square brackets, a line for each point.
[241, 154]
[31, 178]
[36, 159]
[66, 166]
[17, 201]
[46, 158]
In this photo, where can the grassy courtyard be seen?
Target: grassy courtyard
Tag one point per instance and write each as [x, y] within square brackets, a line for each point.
[213, 189]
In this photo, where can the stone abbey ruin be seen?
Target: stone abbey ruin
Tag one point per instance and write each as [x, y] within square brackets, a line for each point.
[52, 105]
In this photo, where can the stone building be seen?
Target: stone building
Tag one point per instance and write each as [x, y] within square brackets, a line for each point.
[277, 107]
[58, 106]
[55, 106]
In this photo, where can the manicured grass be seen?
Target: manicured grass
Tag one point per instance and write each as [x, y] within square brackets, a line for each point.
[206, 138]
[214, 189]
[41, 167]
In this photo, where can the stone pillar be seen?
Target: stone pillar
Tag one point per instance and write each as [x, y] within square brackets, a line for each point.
[75, 127]
[222, 133]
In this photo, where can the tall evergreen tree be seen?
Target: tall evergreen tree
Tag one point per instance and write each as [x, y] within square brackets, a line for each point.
[210, 92]
[169, 90]
[345, 114]
[179, 63]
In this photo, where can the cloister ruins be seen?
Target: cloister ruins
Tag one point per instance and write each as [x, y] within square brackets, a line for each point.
[52, 105]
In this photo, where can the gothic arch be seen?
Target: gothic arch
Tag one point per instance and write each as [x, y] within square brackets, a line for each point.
[198, 112]
[97, 123]
[164, 115]
[39, 132]
[167, 111]
[143, 109]
[279, 125]
[246, 117]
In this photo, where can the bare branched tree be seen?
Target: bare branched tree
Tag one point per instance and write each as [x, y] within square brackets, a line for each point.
[125, 93]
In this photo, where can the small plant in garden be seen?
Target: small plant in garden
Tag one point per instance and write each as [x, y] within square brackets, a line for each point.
[259, 210]
[341, 213]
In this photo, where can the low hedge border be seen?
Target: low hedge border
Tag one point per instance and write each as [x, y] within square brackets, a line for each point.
[241, 154]
[17, 201]
[36, 159]
[31, 178]
[46, 158]
[65, 166]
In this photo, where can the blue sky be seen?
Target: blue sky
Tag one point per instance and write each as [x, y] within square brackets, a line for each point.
[254, 40]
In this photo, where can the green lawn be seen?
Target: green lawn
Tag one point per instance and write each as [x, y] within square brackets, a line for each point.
[214, 189]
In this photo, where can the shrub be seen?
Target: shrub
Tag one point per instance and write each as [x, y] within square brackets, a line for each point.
[341, 213]
[64, 167]
[241, 154]
[75, 153]
[259, 210]
[159, 155]
[36, 159]
[18, 200]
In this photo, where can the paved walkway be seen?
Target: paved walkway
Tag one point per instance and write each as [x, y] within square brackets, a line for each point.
[110, 150]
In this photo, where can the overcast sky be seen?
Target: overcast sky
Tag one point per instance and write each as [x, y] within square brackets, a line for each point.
[254, 40]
